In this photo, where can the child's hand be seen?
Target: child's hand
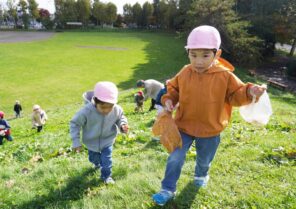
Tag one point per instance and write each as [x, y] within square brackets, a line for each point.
[77, 149]
[169, 105]
[257, 91]
[124, 128]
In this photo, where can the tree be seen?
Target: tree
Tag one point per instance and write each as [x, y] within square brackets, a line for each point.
[236, 41]
[66, 11]
[24, 14]
[12, 11]
[119, 21]
[111, 11]
[44, 18]
[137, 14]
[147, 13]
[128, 13]
[156, 12]
[181, 18]
[286, 27]
[33, 9]
[171, 14]
[83, 8]
[263, 16]
[98, 11]
[1, 14]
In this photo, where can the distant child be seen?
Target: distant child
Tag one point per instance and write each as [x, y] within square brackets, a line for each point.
[17, 109]
[100, 121]
[152, 87]
[206, 90]
[139, 100]
[4, 129]
[39, 118]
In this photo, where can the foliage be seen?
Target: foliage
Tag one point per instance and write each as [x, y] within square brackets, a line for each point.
[84, 9]
[98, 11]
[111, 12]
[44, 18]
[33, 9]
[263, 15]
[291, 67]
[286, 27]
[137, 14]
[127, 13]
[236, 41]
[24, 14]
[1, 13]
[147, 13]
[167, 14]
[12, 11]
[65, 11]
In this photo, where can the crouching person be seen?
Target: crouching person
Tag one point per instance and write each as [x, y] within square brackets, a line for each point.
[99, 121]
[4, 129]
[139, 100]
[39, 118]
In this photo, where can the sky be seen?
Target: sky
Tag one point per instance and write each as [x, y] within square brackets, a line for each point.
[49, 4]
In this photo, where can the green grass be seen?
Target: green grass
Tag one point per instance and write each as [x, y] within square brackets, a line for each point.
[57, 71]
[250, 169]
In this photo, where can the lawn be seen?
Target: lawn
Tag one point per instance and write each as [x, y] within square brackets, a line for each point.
[57, 71]
[254, 166]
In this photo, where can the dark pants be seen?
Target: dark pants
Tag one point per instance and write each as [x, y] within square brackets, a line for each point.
[153, 101]
[39, 128]
[8, 137]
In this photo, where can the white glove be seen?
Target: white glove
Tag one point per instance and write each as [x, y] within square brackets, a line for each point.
[2, 133]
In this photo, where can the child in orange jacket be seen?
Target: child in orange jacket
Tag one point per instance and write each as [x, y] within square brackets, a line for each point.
[206, 90]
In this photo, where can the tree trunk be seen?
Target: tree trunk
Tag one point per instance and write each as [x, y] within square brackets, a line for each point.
[293, 48]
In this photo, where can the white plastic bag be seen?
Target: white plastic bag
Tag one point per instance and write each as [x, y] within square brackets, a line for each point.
[259, 112]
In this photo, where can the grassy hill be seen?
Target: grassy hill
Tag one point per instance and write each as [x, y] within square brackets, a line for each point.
[254, 166]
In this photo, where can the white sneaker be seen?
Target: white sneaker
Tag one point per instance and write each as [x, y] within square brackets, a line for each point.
[109, 180]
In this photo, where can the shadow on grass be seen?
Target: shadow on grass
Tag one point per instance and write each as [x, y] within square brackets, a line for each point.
[165, 55]
[64, 197]
[152, 144]
[183, 200]
[285, 99]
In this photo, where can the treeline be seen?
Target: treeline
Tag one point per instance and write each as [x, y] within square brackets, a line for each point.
[249, 28]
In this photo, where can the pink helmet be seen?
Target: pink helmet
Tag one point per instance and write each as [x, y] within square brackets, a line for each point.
[204, 37]
[1, 114]
[106, 92]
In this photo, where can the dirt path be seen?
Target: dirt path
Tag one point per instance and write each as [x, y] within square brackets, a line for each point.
[13, 36]
[274, 71]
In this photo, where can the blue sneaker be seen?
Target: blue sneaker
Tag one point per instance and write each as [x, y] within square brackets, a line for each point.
[201, 181]
[162, 197]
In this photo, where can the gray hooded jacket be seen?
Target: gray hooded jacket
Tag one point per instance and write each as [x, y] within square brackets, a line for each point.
[98, 130]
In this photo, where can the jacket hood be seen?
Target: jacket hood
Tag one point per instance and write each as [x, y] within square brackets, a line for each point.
[221, 65]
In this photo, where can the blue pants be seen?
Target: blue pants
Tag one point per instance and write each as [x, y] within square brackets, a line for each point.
[102, 159]
[8, 137]
[205, 150]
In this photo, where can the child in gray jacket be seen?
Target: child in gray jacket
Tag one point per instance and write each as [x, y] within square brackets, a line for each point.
[99, 121]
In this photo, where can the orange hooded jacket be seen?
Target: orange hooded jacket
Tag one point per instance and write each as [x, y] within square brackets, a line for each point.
[206, 99]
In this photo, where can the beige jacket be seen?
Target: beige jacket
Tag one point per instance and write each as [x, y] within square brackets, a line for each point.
[39, 118]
